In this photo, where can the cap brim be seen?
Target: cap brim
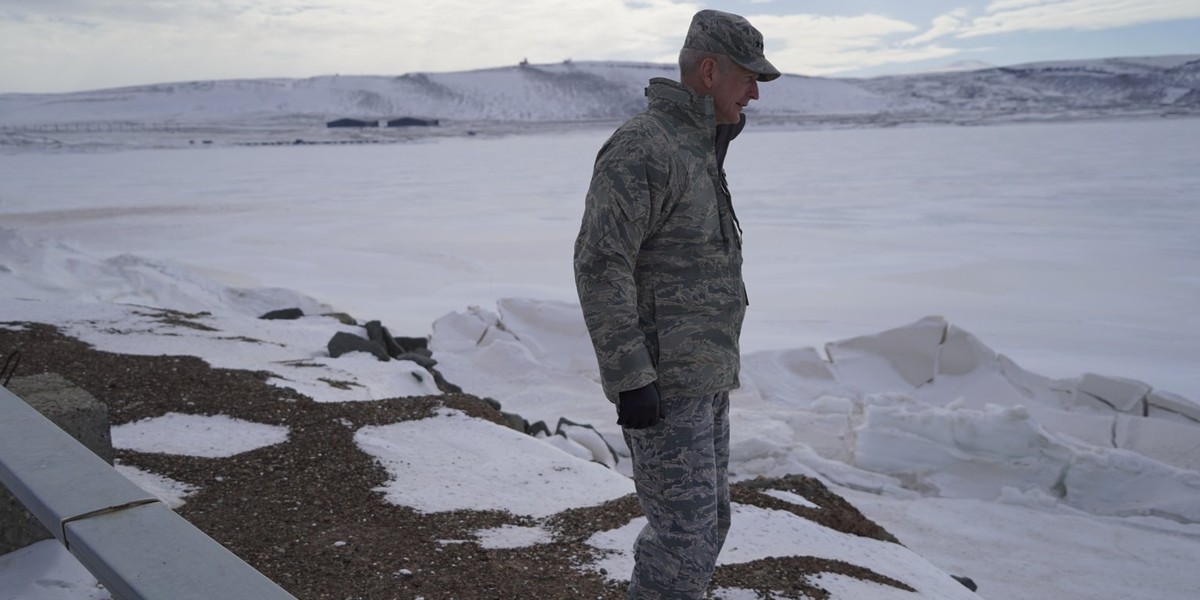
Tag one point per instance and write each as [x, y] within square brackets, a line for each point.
[766, 71]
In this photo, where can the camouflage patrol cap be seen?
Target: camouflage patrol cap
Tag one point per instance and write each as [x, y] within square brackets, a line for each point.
[732, 35]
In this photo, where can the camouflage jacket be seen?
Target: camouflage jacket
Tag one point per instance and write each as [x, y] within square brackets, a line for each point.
[658, 260]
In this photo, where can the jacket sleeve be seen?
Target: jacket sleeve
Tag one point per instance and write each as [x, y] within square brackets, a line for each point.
[616, 221]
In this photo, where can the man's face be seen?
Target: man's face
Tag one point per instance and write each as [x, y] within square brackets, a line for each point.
[733, 88]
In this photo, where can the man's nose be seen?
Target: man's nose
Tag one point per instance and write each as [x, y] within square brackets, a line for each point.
[754, 90]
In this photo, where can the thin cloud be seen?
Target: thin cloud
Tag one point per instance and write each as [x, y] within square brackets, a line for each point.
[122, 42]
[1012, 16]
[1015, 16]
[815, 44]
[1001, 5]
[943, 25]
[1008, 16]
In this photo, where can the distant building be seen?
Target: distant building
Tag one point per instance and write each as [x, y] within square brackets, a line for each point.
[352, 123]
[412, 122]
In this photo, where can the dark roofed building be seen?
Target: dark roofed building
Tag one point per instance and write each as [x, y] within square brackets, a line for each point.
[412, 122]
[352, 123]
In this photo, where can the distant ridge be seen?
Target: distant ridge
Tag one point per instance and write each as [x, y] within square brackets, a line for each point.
[586, 91]
[962, 65]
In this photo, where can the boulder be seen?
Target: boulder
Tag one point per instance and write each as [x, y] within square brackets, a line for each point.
[423, 358]
[412, 344]
[343, 343]
[967, 582]
[283, 314]
[379, 334]
[587, 436]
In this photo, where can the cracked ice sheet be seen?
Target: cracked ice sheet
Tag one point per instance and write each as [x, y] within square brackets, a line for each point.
[1052, 550]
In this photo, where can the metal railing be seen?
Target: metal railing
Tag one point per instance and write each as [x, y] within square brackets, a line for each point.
[136, 546]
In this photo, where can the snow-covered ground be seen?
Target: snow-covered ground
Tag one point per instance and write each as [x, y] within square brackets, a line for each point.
[1007, 439]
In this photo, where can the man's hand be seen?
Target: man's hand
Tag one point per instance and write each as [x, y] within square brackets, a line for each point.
[639, 409]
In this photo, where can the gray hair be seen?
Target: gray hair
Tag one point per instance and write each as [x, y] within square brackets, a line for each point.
[690, 59]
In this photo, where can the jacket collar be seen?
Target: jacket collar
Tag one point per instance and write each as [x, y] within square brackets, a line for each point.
[680, 101]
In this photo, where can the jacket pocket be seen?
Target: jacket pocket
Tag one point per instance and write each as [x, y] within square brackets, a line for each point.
[697, 332]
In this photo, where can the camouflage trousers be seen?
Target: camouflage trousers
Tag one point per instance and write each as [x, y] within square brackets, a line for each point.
[680, 470]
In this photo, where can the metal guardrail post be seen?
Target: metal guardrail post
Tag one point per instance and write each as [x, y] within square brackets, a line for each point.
[136, 546]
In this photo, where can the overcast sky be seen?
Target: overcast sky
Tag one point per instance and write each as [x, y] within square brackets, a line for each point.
[70, 45]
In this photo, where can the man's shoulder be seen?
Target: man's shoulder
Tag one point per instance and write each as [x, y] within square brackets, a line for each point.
[640, 136]
[650, 131]
[647, 125]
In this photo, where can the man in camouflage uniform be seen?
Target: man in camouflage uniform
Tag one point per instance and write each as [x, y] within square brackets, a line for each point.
[658, 267]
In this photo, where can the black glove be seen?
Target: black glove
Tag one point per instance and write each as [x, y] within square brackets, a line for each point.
[639, 409]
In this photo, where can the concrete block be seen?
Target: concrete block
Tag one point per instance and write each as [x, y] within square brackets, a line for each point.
[74, 411]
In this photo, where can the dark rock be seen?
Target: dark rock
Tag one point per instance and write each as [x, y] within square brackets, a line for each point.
[443, 385]
[966, 581]
[375, 331]
[342, 343]
[379, 334]
[587, 436]
[412, 344]
[515, 421]
[343, 317]
[418, 358]
[284, 314]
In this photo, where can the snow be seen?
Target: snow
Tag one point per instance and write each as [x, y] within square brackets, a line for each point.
[44, 571]
[194, 435]
[1040, 436]
[512, 536]
[172, 493]
[758, 533]
[1035, 548]
[418, 455]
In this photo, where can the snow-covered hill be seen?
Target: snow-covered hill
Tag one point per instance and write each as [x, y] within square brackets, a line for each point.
[575, 91]
[1166, 84]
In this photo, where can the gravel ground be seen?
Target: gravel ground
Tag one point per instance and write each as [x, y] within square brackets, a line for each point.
[304, 512]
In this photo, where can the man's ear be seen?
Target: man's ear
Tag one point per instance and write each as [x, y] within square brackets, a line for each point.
[708, 72]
